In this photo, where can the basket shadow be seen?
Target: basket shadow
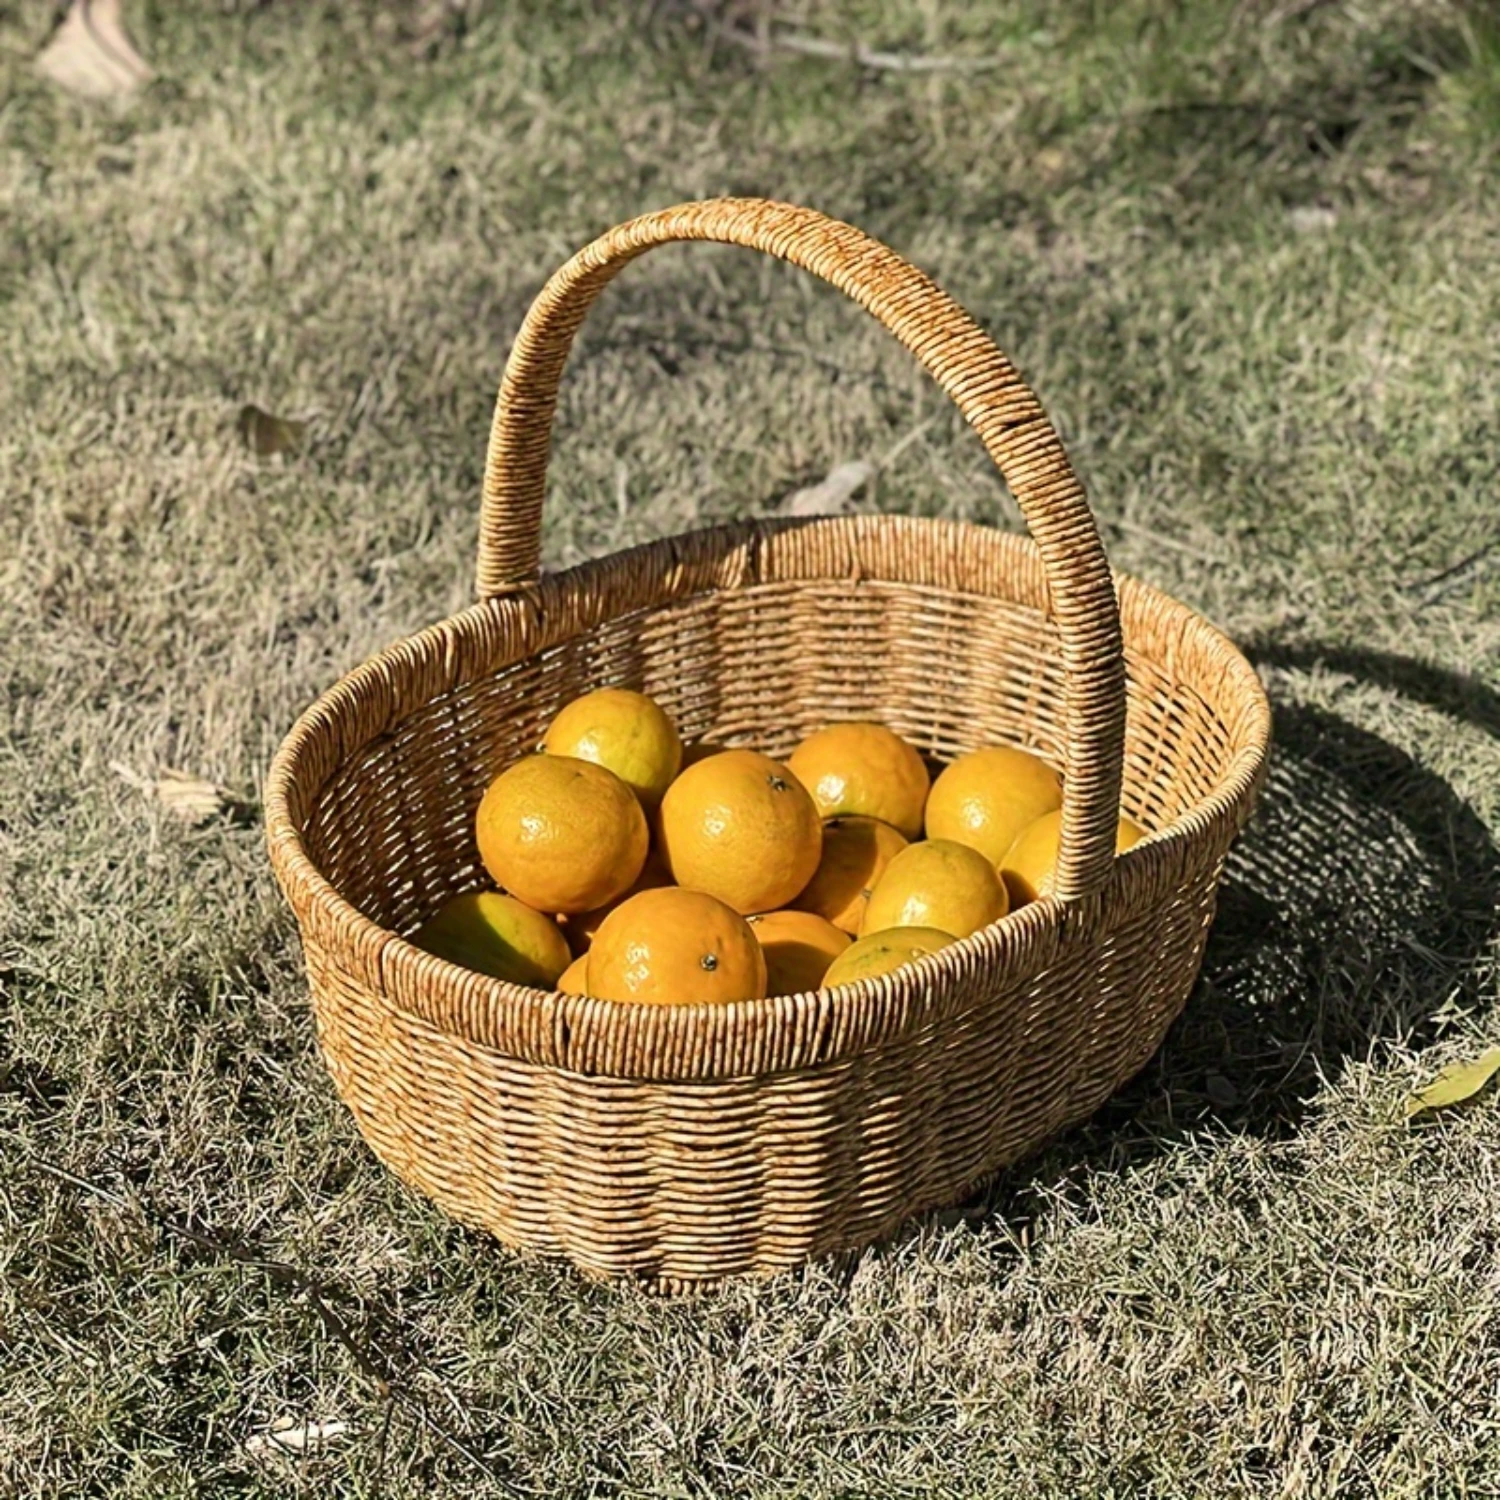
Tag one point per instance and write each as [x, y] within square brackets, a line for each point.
[1355, 907]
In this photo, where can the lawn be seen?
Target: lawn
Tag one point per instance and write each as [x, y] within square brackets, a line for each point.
[1246, 252]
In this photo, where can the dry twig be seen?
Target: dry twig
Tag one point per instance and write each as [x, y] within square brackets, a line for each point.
[766, 40]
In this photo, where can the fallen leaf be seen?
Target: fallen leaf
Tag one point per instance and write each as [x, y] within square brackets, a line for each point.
[266, 435]
[189, 798]
[1222, 1094]
[833, 495]
[90, 54]
[291, 1436]
[1312, 218]
[1454, 1085]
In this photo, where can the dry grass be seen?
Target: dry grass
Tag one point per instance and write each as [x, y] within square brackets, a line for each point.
[1246, 252]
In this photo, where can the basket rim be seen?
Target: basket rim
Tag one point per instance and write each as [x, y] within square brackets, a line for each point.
[550, 1029]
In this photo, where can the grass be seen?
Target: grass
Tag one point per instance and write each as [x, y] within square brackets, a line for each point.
[1245, 253]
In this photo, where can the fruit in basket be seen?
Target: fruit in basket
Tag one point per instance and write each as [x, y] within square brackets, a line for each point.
[738, 825]
[863, 770]
[496, 935]
[670, 945]
[1029, 863]
[985, 798]
[937, 883]
[623, 731]
[881, 952]
[574, 980]
[561, 834]
[799, 946]
[582, 927]
[855, 854]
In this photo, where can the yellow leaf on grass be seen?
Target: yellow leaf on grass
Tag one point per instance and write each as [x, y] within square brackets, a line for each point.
[90, 54]
[1454, 1085]
[190, 798]
[834, 496]
[290, 1436]
[266, 435]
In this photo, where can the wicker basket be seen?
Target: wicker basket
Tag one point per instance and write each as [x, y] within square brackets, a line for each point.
[686, 1143]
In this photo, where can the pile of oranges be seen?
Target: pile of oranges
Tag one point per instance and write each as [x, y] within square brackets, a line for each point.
[630, 868]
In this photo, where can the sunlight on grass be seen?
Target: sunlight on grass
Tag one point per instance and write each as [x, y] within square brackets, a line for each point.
[1244, 250]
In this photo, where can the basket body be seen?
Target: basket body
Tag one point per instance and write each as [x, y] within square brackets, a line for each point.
[687, 1143]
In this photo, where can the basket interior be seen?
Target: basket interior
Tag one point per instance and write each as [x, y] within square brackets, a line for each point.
[392, 826]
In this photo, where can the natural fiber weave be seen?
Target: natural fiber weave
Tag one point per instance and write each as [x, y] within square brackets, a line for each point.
[685, 1143]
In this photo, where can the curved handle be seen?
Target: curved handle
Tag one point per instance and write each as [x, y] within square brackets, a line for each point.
[963, 360]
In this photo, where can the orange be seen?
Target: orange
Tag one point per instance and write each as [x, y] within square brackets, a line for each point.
[855, 853]
[863, 770]
[496, 935]
[1029, 863]
[691, 755]
[937, 884]
[799, 948]
[881, 952]
[582, 927]
[673, 946]
[984, 799]
[740, 826]
[574, 980]
[563, 835]
[623, 731]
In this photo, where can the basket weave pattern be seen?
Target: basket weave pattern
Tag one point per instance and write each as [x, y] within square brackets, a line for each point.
[686, 1143]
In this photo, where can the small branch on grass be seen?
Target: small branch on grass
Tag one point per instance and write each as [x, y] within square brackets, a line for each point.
[765, 41]
[1447, 579]
[1171, 543]
[664, 347]
[903, 443]
[369, 1361]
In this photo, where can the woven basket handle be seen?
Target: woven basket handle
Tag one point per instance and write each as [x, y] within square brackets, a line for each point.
[962, 359]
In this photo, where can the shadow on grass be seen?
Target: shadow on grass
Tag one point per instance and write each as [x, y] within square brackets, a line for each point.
[1355, 909]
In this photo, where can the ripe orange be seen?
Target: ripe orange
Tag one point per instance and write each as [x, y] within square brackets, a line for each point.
[881, 952]
[623, 731]
[563, 835]
[863, 770]
[582, 927]
[740, 826]
[673, 946]
[574, 980]
[984, 799]
[937, 884]
[496, 935]
[855, 854]
[799, 947]
[1029, 863]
